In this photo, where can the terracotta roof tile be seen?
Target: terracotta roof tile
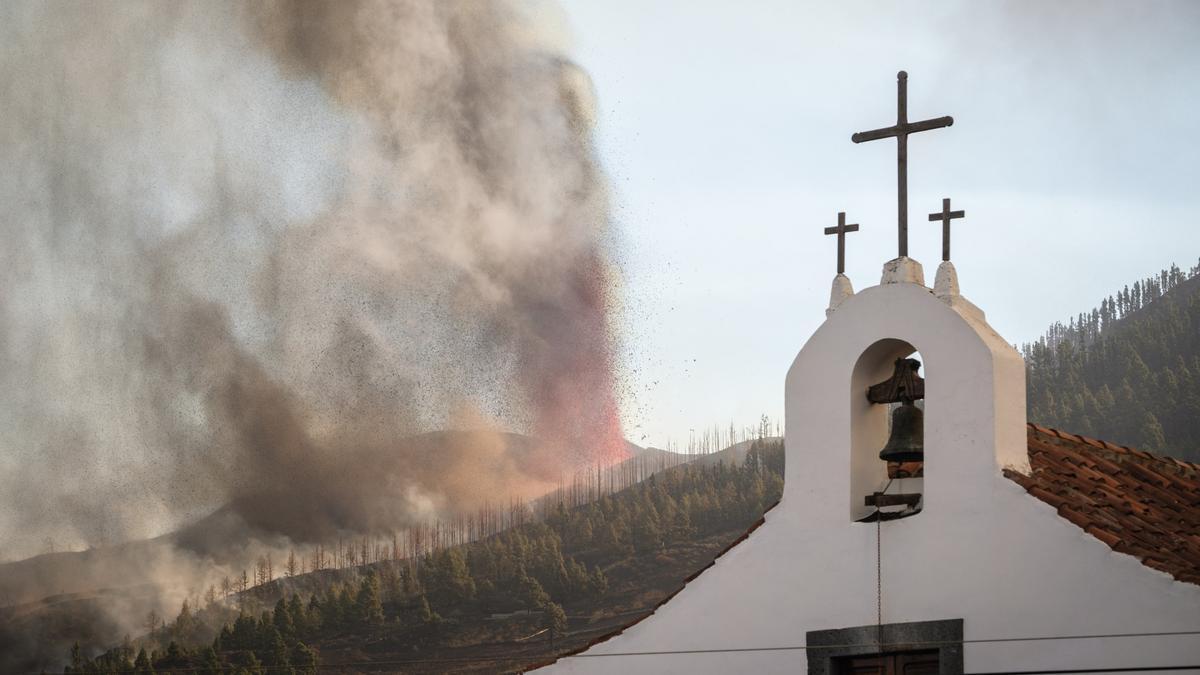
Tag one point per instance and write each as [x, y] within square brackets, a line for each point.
[1105, 536]
[1136, 502]
[1051, 498]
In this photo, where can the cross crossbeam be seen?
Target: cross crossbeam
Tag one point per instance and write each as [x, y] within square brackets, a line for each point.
[840, 230]
[946, 216]
[900, 131]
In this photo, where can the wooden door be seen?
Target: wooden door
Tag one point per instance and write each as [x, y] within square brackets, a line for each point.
[902, 663]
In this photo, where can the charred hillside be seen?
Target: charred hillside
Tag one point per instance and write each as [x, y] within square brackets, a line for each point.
[499, 604]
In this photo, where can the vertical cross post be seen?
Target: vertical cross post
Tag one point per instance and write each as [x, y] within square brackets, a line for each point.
[840, 230]
[900, 131]
[902, 162]
[946, 216]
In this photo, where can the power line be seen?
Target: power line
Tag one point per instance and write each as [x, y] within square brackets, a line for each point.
[1081, 637]
[911, 643]
[541, 657]
[738, 650]
[1081, 670]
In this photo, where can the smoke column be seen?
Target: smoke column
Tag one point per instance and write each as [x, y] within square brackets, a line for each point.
[249, 250]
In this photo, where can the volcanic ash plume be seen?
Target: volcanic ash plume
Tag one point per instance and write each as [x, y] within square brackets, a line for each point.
[250, 251]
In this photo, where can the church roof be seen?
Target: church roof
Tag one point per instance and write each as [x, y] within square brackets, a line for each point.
[1138, 503]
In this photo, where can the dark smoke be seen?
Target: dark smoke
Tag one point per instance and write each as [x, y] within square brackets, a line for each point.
[251, 252]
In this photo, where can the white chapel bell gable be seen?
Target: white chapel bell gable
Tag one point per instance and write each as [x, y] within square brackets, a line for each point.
[936, 559]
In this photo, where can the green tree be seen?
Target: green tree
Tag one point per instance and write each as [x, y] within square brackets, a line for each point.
[1152, 433]
[304, 659]
[530, 593]
[76, 660]
[174, 656]
[282, 618]
[556, 621]
[448, 578]
[276, 652]
[647, 538]
[210, 663]
[368, 607]
[297, 614]
[253, 665]
[185, 623]
[597, 583]
[425, 613]
[314, 617]
[142, 665]
[242, 634]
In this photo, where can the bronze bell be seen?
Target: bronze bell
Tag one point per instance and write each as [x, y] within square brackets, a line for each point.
[907, 440]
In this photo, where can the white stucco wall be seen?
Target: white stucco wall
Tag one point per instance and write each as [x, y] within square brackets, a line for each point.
[982, 550]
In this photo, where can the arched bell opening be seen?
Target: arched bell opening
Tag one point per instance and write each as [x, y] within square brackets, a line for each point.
[886, 422]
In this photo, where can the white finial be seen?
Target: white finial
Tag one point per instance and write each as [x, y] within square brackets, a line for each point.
[945, 287]
[839, 292]
[945, 284]
[903, 270]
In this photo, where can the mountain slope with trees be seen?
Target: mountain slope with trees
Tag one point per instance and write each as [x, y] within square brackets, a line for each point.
[493, 605]
[1128, 371]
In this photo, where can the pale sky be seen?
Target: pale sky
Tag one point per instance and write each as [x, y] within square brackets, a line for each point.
[725, 129]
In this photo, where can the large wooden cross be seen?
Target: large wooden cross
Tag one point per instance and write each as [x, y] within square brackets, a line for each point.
[900, 132]
[946, 216]
[841, 230]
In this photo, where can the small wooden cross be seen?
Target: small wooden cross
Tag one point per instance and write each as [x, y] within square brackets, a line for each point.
[900, 131]
[946, 216]
[841, 230]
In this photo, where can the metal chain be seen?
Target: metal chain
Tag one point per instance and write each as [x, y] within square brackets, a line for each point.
[879, 575]
[879, 568]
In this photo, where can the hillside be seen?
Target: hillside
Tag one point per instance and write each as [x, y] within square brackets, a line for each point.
[223, 537]
[1127, 371]
[735, 454]
[498, 604]
[98, 595]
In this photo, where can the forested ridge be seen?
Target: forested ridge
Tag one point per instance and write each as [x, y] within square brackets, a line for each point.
[576, 567]
[1128, 371]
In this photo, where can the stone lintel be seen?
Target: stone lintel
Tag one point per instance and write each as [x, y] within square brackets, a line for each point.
[945, 636]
